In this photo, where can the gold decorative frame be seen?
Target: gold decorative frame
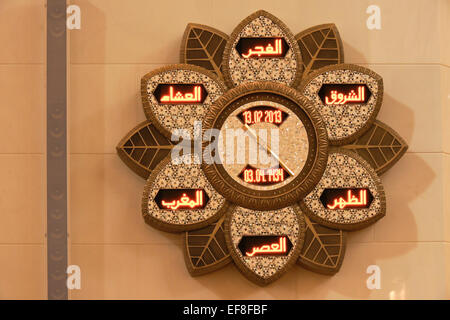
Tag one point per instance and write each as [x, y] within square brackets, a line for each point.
[292, 192]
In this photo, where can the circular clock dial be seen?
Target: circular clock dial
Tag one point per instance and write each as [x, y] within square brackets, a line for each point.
[271, 146]
[265, 144]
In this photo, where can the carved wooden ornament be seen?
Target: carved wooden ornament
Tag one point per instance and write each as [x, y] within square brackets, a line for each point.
[309, 148]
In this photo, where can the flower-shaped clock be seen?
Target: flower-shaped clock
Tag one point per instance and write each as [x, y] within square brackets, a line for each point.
[262, 148]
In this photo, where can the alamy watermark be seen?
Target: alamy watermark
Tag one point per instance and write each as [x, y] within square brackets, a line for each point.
[373, 282]
[227, 146]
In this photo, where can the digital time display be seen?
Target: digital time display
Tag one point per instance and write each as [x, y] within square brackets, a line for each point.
[344, 94]
[265, 245]
[260, 114]
[266, 176]
[254, 48]
[180, 93]
[352, 198]
[181, 199]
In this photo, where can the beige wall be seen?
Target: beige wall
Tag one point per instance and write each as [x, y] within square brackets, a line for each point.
[22, 152]
[445, 85]
[119, 255]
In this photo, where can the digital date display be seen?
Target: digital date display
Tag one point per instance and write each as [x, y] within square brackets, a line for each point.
[261, 114]
[266, 176]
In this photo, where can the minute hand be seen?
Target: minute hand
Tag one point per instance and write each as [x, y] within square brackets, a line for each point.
[266, 147]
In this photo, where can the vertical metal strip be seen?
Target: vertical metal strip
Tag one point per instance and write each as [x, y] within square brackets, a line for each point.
[56, 150]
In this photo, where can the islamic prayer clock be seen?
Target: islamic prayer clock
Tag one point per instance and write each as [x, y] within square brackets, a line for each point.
[262, 148]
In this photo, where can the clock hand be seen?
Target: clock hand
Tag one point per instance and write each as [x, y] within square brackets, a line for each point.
[267, 148]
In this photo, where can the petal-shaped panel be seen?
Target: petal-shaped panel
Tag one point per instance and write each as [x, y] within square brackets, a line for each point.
[320, 46]
[381, 146]
[262, 48]
[264, 244]
[176, 97]
[205, 249]
[203, 46]
[178, 197]
[347, 96]
[324, 248]
[349, 196]
[143, 148]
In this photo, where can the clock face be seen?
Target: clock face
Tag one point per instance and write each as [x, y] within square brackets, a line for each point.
[265, 143]
[271, 146]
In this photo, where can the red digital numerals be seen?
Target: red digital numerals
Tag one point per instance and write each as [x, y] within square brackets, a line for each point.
[264, 114]
[263, 176]
[269, 116]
